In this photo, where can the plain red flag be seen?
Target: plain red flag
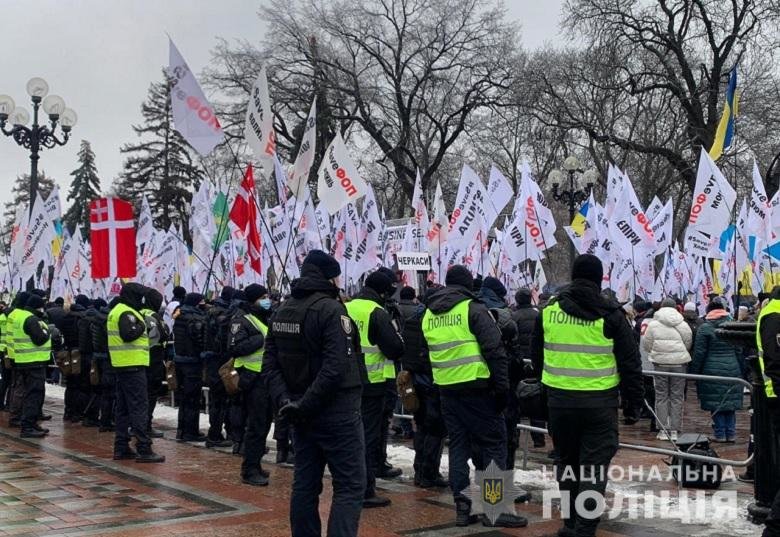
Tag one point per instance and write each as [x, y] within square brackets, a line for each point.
[112, 236]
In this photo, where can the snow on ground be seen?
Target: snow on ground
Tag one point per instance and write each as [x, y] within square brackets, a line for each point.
[698, 514]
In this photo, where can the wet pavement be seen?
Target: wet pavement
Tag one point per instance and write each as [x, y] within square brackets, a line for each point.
[67, 484]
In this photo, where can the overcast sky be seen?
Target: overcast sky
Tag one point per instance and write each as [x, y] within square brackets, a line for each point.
[101, 55]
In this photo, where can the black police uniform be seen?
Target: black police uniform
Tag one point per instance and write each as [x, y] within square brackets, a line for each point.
[159, 339]
[107, 401]
[310, 360]
[584, 423]
[132, 403]
[430, 432]
[216, 354]
[76, 386]
[188, 332]
[33, 375]
[92, 407]
[246, 339]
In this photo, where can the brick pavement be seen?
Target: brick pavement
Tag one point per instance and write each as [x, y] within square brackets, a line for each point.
[66, 484]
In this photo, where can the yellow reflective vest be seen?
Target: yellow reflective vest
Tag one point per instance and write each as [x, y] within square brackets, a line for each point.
[126, 354]
[773, 306]
[254, 361]
[25, 351]
[453, 350]
[378, 366]
[577, 355]
[12, 320]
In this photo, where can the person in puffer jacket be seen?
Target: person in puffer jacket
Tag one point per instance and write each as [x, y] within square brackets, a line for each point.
[667, 341]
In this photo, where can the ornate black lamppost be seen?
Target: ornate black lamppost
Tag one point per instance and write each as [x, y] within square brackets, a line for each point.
[575, 194]
[36, 137]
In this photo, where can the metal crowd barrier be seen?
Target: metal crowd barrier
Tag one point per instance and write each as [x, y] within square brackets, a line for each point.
[676, 452]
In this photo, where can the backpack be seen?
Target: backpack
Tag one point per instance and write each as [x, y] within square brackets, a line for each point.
[696, 474]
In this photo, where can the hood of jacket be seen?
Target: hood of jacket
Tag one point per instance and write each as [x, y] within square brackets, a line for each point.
[583, 299]
[132, 295]
[447, 298]
[718, 316]
[312, 281]
[690, 316]
[669, 316]
[491, 299]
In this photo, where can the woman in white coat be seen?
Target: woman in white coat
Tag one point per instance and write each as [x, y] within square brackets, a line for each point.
[667, 341]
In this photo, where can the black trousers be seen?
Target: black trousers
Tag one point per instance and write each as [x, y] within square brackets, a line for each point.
[77, 392]
[6, 375]
[132, 401]
[429, 437]
[107, 392]
[391, 398]
[92, 406]
[473, 422]
[282, 432]
[218, 397]
[33, 382]
[335, 440]
[773, 520]
[372, 411]
[255, 400]
[585, 439]
[17, 395]
[190, 384]
[155, 375]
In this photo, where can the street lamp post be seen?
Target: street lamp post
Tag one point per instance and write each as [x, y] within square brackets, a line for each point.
[575, 194]
[36, 137]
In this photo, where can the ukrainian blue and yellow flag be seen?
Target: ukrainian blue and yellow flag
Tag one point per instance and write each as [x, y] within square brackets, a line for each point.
[725, 131]
[579, 222]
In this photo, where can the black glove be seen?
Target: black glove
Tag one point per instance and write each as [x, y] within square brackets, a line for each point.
[291, 411]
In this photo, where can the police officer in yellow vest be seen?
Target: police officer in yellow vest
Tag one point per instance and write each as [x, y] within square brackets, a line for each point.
[470, 368]
[17, 393]
[246, 345]
[5, 367]
[587, 356]
[767, 333]
[128, 346]
[32, 351]
[381, 345]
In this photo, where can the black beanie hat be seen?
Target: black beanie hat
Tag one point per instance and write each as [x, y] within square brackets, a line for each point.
[35, 302]
[99, 303]
[389, 273]
[179, 292]
[254, 291]
[379, 282]
[459, 275]
[588, 267]
[227, 293]
[494, 285]
[40, 292]
[193, 299]
[327, 264]
[523, 297]
[83, 300]
[239, 295]
[21, 299]
[59, 300]
[407, 293]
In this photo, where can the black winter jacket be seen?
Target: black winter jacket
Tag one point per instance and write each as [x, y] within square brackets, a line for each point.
[188, 335]
[485, 329]
[130, 327]
[583, 299]
[245, 339]
[525, 318]
[330, 338]
[415, 357]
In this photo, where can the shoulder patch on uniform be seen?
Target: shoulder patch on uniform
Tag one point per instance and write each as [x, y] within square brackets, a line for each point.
[346, 324]
[235, 327]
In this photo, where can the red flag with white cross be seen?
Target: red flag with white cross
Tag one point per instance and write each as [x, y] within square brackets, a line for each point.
[112, 237]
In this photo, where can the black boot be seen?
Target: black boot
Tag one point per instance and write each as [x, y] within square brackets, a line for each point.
[463, 516]
[125, 454]
[375, 501]
[505, 520]
[256, 479]
[149, 456]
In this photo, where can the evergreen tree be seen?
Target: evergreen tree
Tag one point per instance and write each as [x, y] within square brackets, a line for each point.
[160, 164]
[84, 187]
[20, 197]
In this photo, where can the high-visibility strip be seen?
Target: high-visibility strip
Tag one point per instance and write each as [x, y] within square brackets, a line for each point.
[575, 347]
[447, 345]
[129, 347]
[460, 361]
[29, 351]
[589, 373]
[369, 348]
[375, 367]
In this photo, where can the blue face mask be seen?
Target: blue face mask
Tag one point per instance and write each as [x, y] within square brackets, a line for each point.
[264, 303]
